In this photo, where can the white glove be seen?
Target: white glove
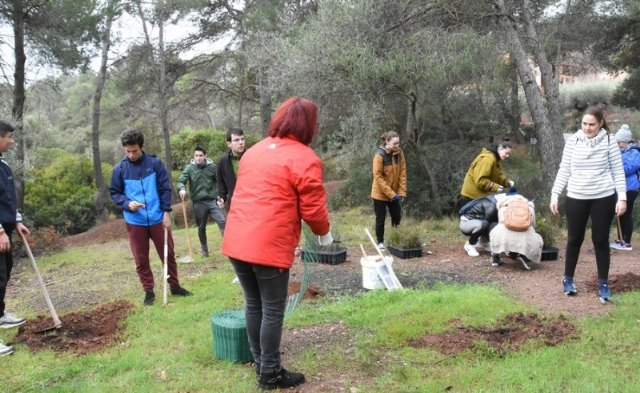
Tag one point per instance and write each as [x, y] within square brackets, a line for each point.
[511, 183]
[182, 193]
[325, 240]
[220, 203]
[500, 190]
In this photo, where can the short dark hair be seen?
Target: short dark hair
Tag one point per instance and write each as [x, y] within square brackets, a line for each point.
[5, 128]
[132, 137]
[234, 131]
[200, 148]
[296, 117]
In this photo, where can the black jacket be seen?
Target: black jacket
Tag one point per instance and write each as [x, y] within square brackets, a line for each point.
[8, 201]
[482, 209]
[226, 177]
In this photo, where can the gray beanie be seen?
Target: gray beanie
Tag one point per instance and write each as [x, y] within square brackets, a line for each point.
[624, 134]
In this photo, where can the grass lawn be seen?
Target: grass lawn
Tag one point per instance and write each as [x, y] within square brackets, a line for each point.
[170, 349]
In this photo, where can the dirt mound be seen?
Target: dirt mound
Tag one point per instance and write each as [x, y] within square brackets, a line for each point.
[102, 233]
[626, 282]
[511, 333]
[80, 333]
[312, 292]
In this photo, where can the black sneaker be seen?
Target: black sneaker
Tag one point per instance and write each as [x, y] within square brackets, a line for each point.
[179, 291]
[149, 298]
[495, 260]
[282, 379]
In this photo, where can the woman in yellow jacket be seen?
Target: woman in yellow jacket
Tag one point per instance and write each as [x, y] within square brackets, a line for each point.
[485, 175]
[389, 186]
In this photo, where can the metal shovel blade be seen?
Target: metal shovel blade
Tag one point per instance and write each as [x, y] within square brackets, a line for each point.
[49, 328]
[185, 259]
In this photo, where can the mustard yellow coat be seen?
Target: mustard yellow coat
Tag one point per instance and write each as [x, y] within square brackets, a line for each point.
[485, 175]
[389, 175]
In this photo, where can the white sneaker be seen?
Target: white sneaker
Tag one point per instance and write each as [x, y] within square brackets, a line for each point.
[9, 320]
[235, 280]
[622, 246]
[471, 250]
[381, 246]
[5, 349]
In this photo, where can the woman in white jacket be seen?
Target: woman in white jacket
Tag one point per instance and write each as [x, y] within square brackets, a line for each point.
[591, 171]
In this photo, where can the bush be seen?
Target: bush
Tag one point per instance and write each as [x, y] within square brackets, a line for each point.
[548, 231]
[407, 235]
[62, 195]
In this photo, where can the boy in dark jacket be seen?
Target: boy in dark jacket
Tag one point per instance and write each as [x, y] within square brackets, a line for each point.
[10, 220]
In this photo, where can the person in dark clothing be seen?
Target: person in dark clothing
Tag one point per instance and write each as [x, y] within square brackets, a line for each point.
[140, 186]
[477, 219]
[10, 220]
[228, 167]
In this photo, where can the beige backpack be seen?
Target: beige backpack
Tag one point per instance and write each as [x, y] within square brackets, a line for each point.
[516, 215]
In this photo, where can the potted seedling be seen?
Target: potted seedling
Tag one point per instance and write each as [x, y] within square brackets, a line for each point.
[331, 254]
[404, 241]
[549, 234]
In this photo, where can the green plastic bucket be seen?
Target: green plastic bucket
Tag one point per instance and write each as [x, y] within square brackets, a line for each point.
[230, 341]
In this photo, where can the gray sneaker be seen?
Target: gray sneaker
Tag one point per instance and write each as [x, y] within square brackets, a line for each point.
[5, 349]
[9, 320]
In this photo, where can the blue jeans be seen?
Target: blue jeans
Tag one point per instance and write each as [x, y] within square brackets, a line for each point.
[265, 294]
[202, 210]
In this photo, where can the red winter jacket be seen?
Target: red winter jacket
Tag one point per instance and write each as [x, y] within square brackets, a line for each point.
[279, 183]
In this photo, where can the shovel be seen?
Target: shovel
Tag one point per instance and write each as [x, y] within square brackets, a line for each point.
[165, 269]
[620, 240]
[56, 321]
[187, 258]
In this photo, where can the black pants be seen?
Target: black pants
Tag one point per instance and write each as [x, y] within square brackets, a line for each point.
[6, 265]
[626, 220]
[601, 212]
[380, 208]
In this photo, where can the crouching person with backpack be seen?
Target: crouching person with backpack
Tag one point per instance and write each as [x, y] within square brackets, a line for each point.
[514, 234]
[477, 218]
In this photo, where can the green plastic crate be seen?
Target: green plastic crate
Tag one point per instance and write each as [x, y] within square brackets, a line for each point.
[230, 341]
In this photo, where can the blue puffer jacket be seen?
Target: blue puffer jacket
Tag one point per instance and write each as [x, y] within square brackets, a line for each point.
[631, 164]
[146, 181]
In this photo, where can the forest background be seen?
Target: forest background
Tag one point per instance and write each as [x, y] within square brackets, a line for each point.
[450, 75]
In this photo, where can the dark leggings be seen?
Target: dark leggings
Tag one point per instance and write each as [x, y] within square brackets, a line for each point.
[626, 220]
[380, 208]
[601, 212]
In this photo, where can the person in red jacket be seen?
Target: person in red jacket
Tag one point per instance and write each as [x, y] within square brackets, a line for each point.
[279, 184]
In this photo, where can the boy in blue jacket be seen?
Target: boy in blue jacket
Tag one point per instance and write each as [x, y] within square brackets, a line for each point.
[140, 186]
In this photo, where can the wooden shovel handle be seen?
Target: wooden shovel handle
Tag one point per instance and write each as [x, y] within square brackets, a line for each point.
[56, 321]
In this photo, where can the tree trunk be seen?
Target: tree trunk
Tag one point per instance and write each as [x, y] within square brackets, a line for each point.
[549, 81]
[17, 110]
[101, 193]
[551, 142]
[514, 112]
[265, 102]
[162, 96]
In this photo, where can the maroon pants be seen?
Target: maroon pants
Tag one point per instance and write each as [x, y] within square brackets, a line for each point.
[139, 241]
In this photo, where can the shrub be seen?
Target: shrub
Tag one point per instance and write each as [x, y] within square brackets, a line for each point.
[407, 235]
[548, 231]
[62, 195]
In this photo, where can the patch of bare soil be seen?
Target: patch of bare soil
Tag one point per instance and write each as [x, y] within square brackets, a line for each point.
[509, 334]
[626, 282]
[80, 333]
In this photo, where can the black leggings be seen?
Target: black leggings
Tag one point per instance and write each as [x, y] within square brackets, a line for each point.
[380, 208]
[626, 220]
[601, 212]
